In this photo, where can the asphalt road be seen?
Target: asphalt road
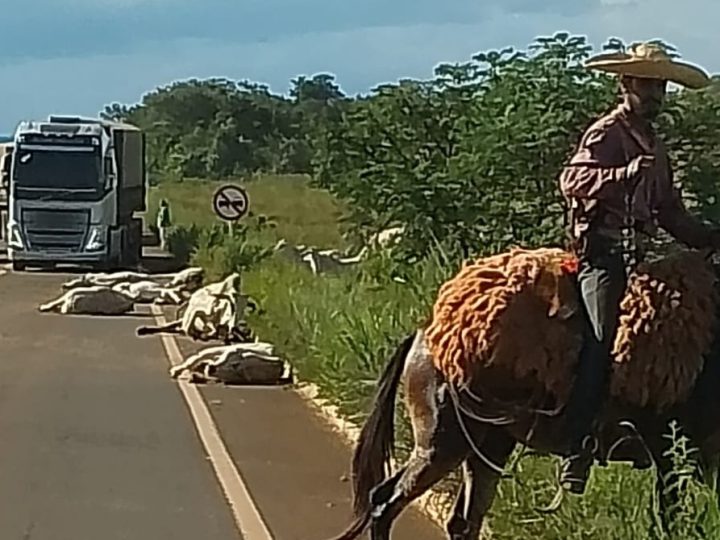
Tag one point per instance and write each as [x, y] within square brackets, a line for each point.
[98, 443]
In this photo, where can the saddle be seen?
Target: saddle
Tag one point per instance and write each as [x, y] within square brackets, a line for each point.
[518, 313]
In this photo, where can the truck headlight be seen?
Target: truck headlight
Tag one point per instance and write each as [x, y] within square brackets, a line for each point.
[97, 238]
[15, 237]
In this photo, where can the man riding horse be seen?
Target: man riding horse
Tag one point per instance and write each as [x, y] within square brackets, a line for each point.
[619, 188]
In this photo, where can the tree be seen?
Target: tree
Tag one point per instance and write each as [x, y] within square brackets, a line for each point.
[468, 159]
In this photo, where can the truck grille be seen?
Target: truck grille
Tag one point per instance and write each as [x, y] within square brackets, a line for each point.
[62, 230]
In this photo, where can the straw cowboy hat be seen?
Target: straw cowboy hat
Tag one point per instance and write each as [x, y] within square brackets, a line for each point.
[650, 61]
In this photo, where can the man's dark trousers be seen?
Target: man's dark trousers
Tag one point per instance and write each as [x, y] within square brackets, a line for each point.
[602, 280]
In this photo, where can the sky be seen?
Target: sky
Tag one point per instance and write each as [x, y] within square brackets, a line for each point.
[76, 56]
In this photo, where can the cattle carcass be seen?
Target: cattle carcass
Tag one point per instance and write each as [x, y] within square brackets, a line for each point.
[95, 300]
[189, 278]
[239, 363]
[328, 260]
[212, 312]
[149, 292]
[289, 252]
[387, 237]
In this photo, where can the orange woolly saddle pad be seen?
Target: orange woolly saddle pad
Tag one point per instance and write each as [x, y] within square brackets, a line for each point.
[520, 311]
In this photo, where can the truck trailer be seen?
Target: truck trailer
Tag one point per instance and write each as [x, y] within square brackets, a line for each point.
[74, 186]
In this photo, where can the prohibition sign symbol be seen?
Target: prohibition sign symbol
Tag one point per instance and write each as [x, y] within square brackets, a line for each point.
[230, 202]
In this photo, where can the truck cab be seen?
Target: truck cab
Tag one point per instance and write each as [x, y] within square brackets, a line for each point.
[74, 186]
[5, 151]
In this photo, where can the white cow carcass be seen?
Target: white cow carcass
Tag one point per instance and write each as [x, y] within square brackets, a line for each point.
[387, 237]
[239, 363]
[95, 300]
[190, 278]
[329, 261]
[290, 252]
[149, 292]
[212, 312]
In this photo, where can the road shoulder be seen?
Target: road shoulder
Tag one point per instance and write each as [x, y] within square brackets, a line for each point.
[296, 467]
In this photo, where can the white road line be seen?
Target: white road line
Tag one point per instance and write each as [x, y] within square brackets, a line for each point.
[247, 516]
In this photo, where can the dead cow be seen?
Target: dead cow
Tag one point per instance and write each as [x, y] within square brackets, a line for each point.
[239, 363]
[147, 292]
[212, 312]
[190, 278]
[95, 300]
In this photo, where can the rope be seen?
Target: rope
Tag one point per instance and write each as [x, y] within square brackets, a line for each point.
[487, 461]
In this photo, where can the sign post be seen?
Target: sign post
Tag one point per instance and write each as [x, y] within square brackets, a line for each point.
[230, 204]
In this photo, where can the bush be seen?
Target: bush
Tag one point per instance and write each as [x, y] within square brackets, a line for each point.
[222, 251]
[219, 249]
[471, 157]
[183, 240]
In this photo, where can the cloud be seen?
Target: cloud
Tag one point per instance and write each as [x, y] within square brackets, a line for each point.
[618, 2]
[82, 27]
[376, 47]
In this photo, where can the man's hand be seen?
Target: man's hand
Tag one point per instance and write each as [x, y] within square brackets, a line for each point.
[637, 166]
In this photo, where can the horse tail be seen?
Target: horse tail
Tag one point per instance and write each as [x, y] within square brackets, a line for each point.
[376, 442]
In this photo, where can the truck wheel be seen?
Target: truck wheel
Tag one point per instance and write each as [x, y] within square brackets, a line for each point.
[102, 266]
[133, 243]
[18, 266]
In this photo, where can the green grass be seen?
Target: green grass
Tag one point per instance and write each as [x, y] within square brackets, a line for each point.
[303, 215]
[339, 331]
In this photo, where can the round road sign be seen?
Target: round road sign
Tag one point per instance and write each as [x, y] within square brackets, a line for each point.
[231, 202]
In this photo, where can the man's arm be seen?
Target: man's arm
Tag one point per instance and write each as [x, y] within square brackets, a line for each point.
[593, 167]
[674, 217]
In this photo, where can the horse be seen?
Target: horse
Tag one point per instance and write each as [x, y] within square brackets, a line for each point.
[466, 426]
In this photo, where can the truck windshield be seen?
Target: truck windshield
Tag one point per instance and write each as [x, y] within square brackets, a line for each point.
[58, 169]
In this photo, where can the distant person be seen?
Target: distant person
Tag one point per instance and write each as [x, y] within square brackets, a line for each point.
[163, 222]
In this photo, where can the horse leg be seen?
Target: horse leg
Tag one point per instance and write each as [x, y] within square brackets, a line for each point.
[440, 444]
[480, 482]
[425, 468]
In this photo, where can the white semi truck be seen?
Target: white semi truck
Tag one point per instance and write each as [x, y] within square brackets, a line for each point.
[73, 188]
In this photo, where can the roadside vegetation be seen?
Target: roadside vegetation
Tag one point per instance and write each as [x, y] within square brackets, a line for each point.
[467, 162]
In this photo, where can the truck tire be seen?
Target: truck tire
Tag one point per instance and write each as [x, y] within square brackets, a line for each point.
[102, 266]
[136, 229]
[18, 266]
[131, 245]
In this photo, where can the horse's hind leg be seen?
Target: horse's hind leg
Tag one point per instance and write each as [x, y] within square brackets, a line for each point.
[436, 453]
[480, 481]
[422, 471]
